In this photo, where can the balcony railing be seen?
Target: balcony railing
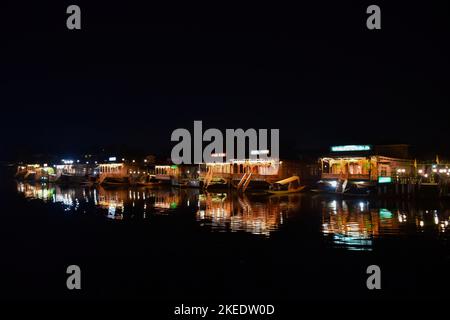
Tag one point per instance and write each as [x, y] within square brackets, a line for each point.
[345, 176]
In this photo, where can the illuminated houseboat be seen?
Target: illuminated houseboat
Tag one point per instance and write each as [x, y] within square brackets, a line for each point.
[36, 172]
[114, 173]
[247, 173]
[167, 174]
[356, 169]
[74, 173]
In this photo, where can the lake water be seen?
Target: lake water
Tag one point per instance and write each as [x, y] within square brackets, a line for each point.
[164, 244]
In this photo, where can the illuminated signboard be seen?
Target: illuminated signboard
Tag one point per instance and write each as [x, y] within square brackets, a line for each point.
[384, 179]
[112, 159]
[385, 214]
[350, 148]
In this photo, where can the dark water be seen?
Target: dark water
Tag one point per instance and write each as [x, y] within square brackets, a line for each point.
[164, 244]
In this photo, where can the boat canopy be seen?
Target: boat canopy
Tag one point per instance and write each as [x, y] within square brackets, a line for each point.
[289, 180]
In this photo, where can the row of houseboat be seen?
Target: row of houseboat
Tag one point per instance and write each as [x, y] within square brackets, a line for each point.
[348, 169]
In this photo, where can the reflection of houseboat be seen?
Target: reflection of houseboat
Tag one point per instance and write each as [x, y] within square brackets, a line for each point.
[356, 169]
[247, 174]
[236, 212]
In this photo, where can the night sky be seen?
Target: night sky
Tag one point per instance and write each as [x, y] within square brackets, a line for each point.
[134, 73]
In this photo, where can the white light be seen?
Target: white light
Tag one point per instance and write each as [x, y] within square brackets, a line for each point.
[351, 148]
[218, 155]
[123, 159]
[434, 170]
[112, 159]
[256, 152]
[426, 175]
[333, 183]
[420, 171]
[421, 223]
[134, 160]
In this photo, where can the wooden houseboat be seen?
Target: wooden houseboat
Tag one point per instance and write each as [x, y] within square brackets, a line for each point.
[356, 169]
[115, 173]
[247, 174]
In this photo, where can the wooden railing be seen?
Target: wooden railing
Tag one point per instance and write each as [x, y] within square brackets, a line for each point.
[345, 176]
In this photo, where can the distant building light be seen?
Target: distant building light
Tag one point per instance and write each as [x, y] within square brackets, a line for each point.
[257, 152]
[218, 155]
[112, 159]
[351, 148]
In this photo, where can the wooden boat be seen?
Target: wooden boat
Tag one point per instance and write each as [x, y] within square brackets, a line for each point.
[289, 185]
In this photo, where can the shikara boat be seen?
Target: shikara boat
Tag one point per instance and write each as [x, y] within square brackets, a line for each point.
[289, 185]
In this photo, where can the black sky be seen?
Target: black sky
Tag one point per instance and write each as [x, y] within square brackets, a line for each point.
[137, 71]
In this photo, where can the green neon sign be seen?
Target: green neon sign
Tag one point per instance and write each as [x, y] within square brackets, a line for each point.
[385, 214]
[384, 179]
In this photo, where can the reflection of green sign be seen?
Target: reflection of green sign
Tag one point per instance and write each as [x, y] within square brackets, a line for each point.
[351, 148]
[384, 179]
[173, 205]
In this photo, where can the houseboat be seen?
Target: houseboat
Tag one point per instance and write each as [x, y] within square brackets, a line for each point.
[115, 174]
[246, 174]
[357, 169]
[75, 173]
[167, 174]
[35, 172]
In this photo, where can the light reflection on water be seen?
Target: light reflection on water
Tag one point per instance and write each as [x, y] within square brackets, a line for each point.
[350, 224]
[354, 224]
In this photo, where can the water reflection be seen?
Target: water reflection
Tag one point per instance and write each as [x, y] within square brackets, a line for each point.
[349, 224]
[355, 225]
[236, 212]
[217, 211]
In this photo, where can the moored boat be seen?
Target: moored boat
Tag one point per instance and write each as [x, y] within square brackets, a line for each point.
[288, 185]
